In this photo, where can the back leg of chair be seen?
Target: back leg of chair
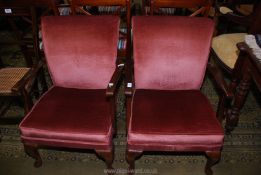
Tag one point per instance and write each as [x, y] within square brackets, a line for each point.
[108, 157]
[131, 156]
[32, 151]
[212, 158]
[28, 103]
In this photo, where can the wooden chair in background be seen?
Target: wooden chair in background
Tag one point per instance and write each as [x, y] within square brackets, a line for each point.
[225, 53]
[177, 7]
[23, 17]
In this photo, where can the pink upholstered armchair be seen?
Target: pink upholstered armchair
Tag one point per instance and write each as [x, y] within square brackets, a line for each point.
[78, 110]
[165, 109]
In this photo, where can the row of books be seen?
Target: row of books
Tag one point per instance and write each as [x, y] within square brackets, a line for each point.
[122, 41]
[122, 44]
[110, 9]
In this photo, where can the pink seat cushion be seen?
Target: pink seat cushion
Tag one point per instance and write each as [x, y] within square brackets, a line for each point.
[170, 52]
[71, 118]
[81, 51]
[174, 121]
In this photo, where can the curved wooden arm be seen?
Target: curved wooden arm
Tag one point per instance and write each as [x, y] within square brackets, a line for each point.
[242, 46]
[28, 78]
[114, 82]
[129, 84]
[219, 79]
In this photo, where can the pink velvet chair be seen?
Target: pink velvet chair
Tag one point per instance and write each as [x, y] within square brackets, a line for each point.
[166, 110]
[78, 110]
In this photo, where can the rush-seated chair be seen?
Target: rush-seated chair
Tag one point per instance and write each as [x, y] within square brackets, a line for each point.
[165, 109]
[78, 111]
[225, 53]
[21, 17]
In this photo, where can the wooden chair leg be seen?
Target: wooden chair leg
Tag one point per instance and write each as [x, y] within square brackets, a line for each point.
[43, 80]
[28, 103]
[32, 151]
[212, 158]
[221, 109]
[5, 105]
[108, 157]
[131, 156]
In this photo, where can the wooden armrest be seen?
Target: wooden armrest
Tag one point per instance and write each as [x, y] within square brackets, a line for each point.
[219, 79]
[129, 88]
[113, 84]
[28, 78]
[242, 46]
[129, 84]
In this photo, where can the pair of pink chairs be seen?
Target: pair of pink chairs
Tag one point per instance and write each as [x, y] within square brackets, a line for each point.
[165, 109]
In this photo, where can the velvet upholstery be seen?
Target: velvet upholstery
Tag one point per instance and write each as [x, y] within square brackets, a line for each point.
[170, 120]
[167, 111]
[81, 56]
[71, 118]
[170, 52]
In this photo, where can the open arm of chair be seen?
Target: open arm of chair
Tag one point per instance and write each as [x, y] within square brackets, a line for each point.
[219, 79]
[243, 47]
[129, 84]
[115, 79]
[28, 78]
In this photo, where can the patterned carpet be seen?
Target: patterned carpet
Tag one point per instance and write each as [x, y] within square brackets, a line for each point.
[241, 154]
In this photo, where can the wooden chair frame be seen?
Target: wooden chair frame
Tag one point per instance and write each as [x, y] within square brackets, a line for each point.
[203, 4]
[26, 11]
[253, 24]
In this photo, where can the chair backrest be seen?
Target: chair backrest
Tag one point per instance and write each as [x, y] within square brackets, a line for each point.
[203, 5]
[170, 54]
[81, 50]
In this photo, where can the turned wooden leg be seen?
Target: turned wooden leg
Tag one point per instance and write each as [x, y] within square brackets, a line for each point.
[131, 156]
[32, 151]
[212, 158]
[240, 98]
[108, 157]
[239, 85]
